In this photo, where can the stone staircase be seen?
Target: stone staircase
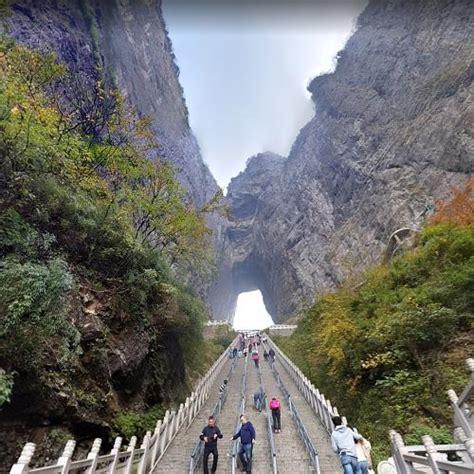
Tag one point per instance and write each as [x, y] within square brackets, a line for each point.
[261, 462]
[177, 457]
[328, 461]
[291, 454]
[303, 446]
[176, 437]
[227, 420]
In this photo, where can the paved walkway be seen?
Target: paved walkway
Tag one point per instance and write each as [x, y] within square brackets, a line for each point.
[261, 463]
[328, 460]
[177, 457]
[291, 454]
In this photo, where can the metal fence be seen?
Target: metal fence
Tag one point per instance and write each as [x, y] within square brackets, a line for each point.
[269, 426]
[322, 406]
[197, 453]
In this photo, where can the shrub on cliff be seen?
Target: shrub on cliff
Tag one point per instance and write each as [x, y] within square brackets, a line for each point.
[84, 197]
[386, 352]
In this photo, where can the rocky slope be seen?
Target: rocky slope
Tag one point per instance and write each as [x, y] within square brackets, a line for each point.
[393, 129]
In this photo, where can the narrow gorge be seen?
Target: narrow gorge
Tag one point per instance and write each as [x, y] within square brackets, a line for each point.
[393, 130]
[391, 134]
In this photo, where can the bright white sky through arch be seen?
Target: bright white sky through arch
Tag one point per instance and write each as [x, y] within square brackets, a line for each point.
[251, 312]
[245, 67]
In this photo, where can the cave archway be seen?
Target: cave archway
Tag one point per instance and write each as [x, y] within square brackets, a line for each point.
[250, 312]
[244, 275]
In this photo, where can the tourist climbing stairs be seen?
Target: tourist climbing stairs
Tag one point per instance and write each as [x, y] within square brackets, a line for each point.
[177, 457]
[318, 433]
[303, 446]
[226, 421]
[262, 459]
[291, 454]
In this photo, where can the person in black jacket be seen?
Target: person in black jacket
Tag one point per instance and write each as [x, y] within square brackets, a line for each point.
[209, 435]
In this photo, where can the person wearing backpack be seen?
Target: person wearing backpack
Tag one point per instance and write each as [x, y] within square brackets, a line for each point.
[259, 398]
[276, 414]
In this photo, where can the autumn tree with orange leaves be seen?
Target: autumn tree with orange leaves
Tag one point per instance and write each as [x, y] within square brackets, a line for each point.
[459, 210]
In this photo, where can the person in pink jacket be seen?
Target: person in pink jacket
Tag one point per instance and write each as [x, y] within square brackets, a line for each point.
[276, 414]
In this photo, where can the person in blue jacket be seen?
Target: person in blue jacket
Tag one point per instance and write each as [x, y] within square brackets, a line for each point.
[247, 440]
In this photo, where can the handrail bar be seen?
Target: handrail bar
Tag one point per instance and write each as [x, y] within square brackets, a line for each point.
[406, 459]
[197, 452]
[141, 460]
[269, 426]
[243, 389]
[302, 431]
[320, 405]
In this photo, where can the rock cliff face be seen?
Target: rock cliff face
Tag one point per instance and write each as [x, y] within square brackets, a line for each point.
[129, 41]
[124, 365]
[393, 129]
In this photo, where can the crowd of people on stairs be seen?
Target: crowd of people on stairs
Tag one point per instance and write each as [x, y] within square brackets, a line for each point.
[353, 450]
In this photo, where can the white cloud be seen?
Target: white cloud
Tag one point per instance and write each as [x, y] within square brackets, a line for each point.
[244, 70]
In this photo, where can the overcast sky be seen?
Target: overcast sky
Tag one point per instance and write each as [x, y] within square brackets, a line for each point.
[244, 68]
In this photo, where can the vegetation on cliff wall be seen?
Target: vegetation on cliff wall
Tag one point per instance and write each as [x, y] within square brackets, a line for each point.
[386, 352]
[91, 221]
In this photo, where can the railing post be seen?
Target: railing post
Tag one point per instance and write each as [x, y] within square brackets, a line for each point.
[164, 436]
[433, 455]
[328, 403]
[192, 399]
[115, 451]
[93, 455]
[131, 450]
[398, 449]
[65, 459]
[171, 428]
[156, 446]
[459, 435]
[143, 466]
[324, 418]
[22, 465]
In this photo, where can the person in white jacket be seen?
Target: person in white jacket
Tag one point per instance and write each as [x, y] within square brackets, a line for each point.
[363, 448]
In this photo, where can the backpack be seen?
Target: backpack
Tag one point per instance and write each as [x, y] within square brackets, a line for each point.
[274, 404]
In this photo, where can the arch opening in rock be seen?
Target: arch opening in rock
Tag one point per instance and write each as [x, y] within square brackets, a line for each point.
[250, 312]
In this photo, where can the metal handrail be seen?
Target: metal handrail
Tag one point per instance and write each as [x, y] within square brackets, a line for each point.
[309, 446]
[269, 426]
[134, 458]
[198, 450]
[320, 405]
[243, 388]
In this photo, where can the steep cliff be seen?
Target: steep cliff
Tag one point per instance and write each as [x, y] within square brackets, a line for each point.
[392, 131]
[132, 329]
[124, 43]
